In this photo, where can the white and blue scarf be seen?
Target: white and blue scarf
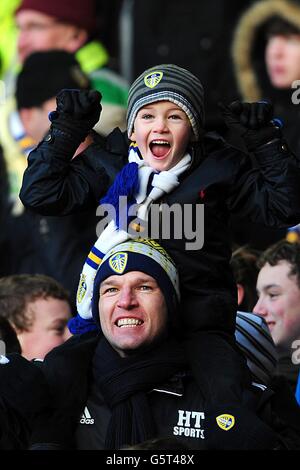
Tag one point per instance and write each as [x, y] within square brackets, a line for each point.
[142, 185]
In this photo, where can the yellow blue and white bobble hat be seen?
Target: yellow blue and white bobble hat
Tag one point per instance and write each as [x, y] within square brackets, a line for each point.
[143, 255]
[168, 82]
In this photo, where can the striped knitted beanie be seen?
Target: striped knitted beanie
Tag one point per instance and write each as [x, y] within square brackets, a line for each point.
[255, 341]
[167, 82]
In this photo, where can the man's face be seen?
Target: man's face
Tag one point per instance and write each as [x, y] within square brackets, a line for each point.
[279, 302]
[40, 32]
[49, 327]
[283, 60]
[162, 132]
[132, 311]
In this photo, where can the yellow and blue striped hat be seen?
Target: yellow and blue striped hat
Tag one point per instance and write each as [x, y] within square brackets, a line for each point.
[143, 255]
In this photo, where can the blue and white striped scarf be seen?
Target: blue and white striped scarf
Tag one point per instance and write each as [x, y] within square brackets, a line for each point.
[142, 185]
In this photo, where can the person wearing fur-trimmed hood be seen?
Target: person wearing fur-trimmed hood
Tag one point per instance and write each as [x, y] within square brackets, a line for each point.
[266, 58]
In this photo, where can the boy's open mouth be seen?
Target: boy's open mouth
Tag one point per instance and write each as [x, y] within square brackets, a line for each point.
[160, 148]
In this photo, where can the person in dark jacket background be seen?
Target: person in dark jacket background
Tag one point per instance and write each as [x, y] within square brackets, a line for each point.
[266, 57]
[266, 51]
[211, 173]
[54, 246]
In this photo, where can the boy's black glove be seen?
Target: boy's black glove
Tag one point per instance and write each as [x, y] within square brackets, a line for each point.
[77, 112]
[253, 122]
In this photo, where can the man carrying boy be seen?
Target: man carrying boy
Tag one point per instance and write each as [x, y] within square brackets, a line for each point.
[172, 161]
[128, 381]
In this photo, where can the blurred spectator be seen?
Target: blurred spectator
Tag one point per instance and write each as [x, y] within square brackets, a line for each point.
[278, 286]
[55, 246]
[38, 308]
[266, 56]
[41, 78]
[243, 263]
[70, 26]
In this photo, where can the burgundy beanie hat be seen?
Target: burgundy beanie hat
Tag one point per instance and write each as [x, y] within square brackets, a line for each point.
[76, 12]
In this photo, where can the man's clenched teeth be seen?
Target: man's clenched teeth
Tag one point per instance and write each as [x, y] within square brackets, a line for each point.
[128, 322]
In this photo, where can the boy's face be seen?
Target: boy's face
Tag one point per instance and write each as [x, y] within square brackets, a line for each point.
[283, 59]
[162, 132]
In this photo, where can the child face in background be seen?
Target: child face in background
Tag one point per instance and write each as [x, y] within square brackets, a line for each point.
[162, 132]
[283, 59]
[48, 327]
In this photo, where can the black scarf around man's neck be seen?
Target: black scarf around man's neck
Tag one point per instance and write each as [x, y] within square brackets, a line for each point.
[124, 383]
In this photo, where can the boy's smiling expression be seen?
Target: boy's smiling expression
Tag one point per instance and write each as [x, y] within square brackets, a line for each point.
[162, 132]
